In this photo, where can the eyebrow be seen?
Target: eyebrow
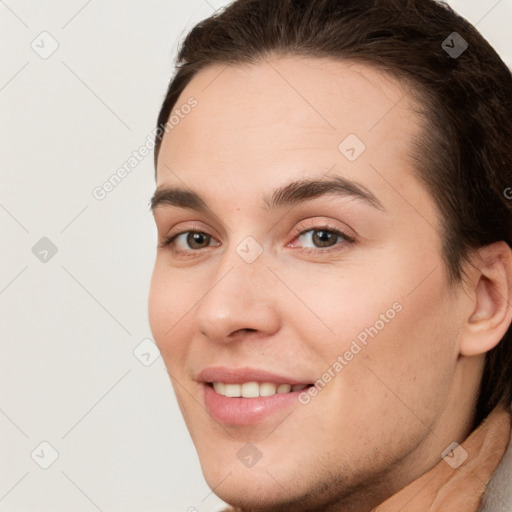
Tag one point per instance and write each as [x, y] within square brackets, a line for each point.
[291, 194]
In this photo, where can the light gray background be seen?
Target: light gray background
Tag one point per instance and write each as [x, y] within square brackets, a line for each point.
[69, 326]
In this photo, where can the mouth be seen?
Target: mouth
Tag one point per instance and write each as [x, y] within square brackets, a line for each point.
[254, 389]
[247, 396]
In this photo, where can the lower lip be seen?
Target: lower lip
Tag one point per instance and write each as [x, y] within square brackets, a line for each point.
[245, 411]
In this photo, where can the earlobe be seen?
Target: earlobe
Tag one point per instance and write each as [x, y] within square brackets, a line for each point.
[492, 310]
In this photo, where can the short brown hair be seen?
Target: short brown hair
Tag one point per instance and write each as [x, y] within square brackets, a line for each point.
[464, 157]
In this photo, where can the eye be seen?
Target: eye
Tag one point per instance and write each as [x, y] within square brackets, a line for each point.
[187, 240]
[323, 238]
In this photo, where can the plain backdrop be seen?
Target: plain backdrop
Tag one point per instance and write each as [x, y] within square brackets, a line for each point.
[88, 418]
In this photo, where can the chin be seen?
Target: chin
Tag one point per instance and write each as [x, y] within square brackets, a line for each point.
[262, 487]
[255, 493]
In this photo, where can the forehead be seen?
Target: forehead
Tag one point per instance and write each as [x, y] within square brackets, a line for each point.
[287, 115]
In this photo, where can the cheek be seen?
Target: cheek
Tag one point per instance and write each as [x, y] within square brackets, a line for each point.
[333, 306]
[392, 324]
[405, 366]
[167, 315]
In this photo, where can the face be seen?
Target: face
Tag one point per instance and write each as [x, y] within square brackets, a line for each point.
[303, 252]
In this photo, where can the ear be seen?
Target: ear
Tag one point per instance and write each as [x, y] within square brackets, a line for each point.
[491, 290]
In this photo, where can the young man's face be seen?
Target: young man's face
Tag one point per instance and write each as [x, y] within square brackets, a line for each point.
[268, 285]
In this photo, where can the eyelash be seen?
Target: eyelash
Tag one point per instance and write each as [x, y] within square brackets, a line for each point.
[347, 240]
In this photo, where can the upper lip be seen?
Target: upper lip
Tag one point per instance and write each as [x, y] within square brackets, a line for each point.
[241, 375]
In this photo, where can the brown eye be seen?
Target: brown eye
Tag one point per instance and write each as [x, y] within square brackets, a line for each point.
[188, 241]
[322, 238]
[197, 240]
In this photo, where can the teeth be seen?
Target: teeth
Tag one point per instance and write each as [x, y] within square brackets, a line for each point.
[232, 390]
[250, 389]
[267, 389]
[219, 387]
[254, 389]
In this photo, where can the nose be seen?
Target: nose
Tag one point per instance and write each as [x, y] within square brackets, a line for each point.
[239, 298]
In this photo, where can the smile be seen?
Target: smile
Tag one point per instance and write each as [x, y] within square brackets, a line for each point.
[254, 389]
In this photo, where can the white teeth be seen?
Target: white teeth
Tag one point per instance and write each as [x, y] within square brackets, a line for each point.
[219, 387]
[250, 389]
[232, 390]
[284, 388]
[255, 389]
[267, 389]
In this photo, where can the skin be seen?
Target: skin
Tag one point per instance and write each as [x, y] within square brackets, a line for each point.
[385, 419]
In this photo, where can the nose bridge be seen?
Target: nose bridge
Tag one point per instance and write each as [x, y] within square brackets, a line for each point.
[240, 294]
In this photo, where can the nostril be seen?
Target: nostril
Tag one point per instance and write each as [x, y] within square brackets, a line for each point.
[239, 331]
